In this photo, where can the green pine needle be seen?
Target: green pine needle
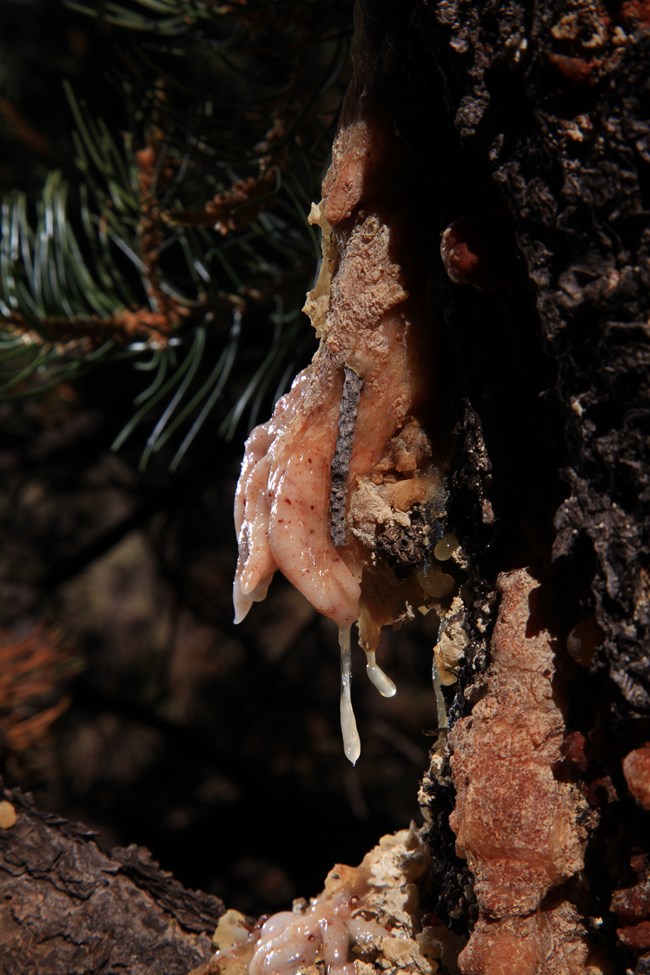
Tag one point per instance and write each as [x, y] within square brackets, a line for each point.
[105, 264]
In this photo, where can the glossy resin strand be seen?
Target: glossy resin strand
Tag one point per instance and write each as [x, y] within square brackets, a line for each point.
[381, 680]
[351, 740]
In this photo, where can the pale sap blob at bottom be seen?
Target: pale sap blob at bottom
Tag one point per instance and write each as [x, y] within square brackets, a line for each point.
[383, 683]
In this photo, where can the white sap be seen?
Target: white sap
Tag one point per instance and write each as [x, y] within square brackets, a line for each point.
[382, 681]
[351, 740]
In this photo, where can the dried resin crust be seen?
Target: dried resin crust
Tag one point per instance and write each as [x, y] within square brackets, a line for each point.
[340, 488]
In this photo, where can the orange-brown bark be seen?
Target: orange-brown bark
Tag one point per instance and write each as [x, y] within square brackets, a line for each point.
[516, 824]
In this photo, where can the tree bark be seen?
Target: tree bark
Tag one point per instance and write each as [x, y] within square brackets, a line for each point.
[532, 129]
[70, 909]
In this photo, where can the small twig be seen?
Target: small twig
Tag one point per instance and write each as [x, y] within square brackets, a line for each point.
[151, 233]
[342, 453]
[122, 327]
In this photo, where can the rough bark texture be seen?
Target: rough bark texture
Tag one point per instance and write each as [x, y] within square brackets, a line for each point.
[540, 118]
[70, 909]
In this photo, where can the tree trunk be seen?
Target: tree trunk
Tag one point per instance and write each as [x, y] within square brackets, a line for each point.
[533, 130]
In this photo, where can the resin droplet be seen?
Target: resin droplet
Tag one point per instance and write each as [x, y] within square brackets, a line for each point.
[443, 721]
[583, 640]
[382, 681]
[351, 740]
[446, 547]
[436, 583]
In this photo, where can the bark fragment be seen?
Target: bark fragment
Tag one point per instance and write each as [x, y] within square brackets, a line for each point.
[342, 453]
[547, 942]
[514, 822]
[636, 769]
[631, 906]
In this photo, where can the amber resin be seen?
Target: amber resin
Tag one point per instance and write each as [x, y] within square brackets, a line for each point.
[283, 511]
[340, 489]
